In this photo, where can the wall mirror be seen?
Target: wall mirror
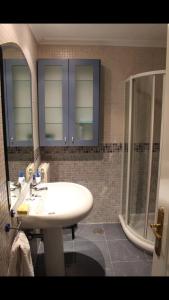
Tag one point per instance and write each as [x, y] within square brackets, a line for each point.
[17, 107]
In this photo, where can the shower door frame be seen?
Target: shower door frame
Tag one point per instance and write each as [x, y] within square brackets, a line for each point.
[125, 222]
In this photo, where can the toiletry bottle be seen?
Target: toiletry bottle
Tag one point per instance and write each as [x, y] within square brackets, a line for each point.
[38, 177]
[21, 178]
[34, 180]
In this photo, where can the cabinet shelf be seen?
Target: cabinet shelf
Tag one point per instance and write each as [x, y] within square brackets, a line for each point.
[28, 80]
[22, 107]
[53, 106]
[84, 107]
[53, 80]
[84, 122]
[24, 123]
[84, 80]
[53, 123]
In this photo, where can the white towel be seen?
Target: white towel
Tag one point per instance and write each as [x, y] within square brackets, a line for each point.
[20, 263]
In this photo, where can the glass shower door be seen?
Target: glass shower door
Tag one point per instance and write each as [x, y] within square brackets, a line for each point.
[142, 96]
[125, 150]
[158, 97]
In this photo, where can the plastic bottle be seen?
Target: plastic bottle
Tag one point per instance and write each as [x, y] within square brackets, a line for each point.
[21, 178]
[38, 177]
[34, 180]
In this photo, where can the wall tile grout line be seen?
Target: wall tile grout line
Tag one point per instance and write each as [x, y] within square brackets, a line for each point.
[110, 267]
[130, 261]
[108, 251]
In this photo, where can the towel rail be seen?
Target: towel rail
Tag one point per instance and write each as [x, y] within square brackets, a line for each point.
[8, 227]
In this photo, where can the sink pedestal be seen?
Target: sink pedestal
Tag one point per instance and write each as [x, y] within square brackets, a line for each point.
[60, 205]
[54, 254]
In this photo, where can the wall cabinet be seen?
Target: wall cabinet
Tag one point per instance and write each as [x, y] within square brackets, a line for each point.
[18, 102]
[68, 93]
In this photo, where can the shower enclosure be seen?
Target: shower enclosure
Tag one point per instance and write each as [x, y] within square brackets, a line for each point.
[141, 147]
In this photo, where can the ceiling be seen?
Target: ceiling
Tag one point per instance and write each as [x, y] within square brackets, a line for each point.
[144, 35]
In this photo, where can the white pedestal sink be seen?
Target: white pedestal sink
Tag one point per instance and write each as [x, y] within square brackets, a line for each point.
[62, 204]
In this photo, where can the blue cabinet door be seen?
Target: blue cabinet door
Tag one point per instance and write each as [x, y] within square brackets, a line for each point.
[84, 102]
[18, 102]
[53, 101]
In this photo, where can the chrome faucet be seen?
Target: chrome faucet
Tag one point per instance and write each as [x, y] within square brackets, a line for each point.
[15, 186]
[32, 187]
[36, 188]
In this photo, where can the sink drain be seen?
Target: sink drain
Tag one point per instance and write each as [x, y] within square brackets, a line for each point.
[98, 230]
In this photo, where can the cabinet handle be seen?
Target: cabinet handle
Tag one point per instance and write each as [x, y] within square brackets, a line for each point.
[73, 139]
[65, 139]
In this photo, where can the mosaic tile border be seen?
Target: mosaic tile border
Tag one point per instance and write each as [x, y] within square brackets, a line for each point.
[27, 153]
[20, 153]
[102, 148]
[26, 149]
[36, 153]
[142, 147]
[23, 153]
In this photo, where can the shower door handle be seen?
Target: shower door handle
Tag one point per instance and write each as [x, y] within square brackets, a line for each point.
[157, 229]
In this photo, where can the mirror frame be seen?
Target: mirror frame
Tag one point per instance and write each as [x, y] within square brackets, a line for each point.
[4, 125]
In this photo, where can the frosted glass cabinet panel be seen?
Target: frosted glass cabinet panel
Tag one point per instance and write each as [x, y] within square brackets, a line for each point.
[17, 80]
[68, 101]
[53, 101]
[53, 93]
[84, 101]
[21, 93]
[84, 93]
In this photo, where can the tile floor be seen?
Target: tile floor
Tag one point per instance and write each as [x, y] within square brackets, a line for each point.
[100, 250]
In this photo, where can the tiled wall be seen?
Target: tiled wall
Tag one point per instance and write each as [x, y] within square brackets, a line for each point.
[20, 35]
[18, 159]
[6, 238]
[100, 168]
[97, 168]
[117, 64]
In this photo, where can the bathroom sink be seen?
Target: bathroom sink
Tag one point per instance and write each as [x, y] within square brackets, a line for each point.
[62, 204]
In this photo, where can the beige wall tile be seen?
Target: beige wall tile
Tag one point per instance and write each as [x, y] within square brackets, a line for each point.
[101, 173]
[118, 63]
